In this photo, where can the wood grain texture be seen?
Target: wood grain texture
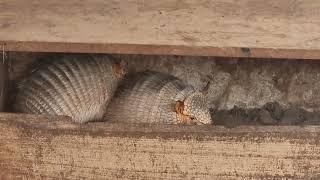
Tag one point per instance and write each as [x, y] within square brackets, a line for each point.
[234, 28]
[4, 76]
[53, 147]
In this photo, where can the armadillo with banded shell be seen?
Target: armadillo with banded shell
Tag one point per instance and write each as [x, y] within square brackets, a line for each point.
[154, 97]
[79, 86]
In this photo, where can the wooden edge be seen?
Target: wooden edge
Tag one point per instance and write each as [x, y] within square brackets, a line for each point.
[58, 125]
[4, 76]
[33, 147]
[161, 50]
[65, 123]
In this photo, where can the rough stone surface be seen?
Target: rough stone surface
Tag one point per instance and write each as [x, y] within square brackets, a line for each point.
[304, 87]
[244, 83]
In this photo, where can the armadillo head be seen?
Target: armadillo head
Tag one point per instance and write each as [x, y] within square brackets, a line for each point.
[119, 67]
[119, 70]
[194, 109]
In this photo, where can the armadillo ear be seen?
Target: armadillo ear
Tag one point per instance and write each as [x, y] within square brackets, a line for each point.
[123, 63]
[179, 107]
[119, 70]
[205, 89]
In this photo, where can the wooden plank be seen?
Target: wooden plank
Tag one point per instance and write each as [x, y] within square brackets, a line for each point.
[53, 147]
[4, 76]
[234, 28]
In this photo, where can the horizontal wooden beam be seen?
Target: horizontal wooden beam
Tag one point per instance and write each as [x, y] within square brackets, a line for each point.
[53, 147]
[235, 28]
[160, 50]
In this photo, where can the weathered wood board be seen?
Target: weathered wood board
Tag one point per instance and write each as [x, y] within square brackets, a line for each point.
[233, 28]
[4, 76]
[44, 147]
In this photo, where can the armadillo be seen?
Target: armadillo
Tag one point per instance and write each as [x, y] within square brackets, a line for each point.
[79, 86]
[154, 97]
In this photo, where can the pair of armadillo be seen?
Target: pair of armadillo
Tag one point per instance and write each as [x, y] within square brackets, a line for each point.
[95, 87]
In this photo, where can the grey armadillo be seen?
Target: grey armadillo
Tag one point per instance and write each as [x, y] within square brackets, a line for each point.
[79, 86]
[154, 97]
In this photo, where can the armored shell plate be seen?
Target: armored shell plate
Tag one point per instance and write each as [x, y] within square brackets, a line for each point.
[147, 97]
[79, 86]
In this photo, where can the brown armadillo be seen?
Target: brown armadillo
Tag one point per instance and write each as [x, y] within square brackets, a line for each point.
[79, 86]
[154, 97]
